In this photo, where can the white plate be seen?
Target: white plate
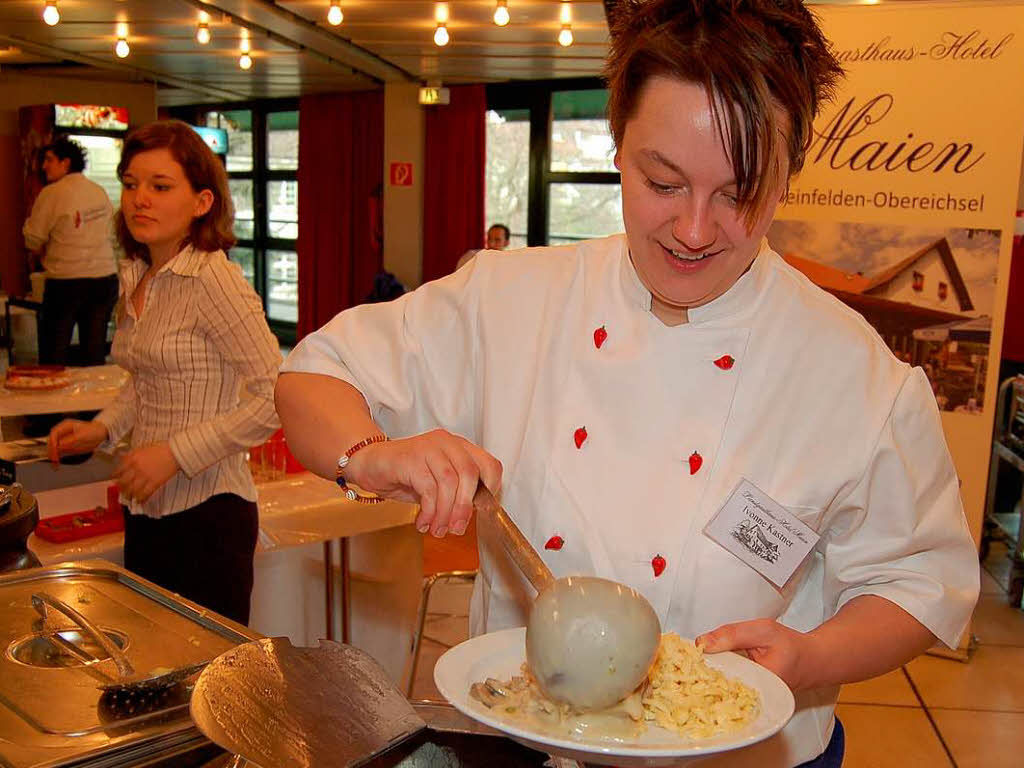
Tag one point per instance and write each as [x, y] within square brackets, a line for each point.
[501, 654]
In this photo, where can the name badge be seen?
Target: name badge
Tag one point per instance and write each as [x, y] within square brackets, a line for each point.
[761, 533]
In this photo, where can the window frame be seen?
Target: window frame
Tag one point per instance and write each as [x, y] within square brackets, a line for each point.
[260, 243]
[536, 96]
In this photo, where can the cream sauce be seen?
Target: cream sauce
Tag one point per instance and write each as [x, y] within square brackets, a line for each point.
[521, 701]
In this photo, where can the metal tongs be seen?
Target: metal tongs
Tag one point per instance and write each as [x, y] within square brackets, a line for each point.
[127, 682]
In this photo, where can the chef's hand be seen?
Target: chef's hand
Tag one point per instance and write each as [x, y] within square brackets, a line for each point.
[143, 471]
[437, 470]
[780, 649]
[867, 637]
[72, 436]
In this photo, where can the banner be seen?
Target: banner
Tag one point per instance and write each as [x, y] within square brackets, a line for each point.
[905, 206]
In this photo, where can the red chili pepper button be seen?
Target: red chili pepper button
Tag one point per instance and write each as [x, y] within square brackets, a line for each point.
[658, 564]
[725, 362]
[695, 461]
[580, 436]
[555, 542]
[600, 335]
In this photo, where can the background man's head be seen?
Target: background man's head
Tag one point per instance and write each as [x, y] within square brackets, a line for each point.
[62, 157]
[497, 237]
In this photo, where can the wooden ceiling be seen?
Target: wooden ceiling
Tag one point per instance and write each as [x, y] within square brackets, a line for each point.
[294, 49]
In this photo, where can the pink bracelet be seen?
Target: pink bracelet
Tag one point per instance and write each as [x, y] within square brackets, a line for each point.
[343, 460]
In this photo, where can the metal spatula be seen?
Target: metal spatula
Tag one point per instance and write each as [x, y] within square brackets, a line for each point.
[279, 706]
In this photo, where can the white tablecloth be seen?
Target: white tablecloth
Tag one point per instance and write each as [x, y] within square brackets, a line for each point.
[92, 388]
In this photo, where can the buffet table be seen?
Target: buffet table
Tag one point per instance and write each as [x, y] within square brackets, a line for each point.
[303, 520]
[92, 388]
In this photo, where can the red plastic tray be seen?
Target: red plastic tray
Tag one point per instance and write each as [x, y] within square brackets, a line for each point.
[82, 525]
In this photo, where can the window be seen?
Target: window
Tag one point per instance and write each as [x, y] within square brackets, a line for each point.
[283, 209]
[580, 139]
[583, 211]
[245, 208]
[262, 161]
[551, 162]
[918, 281]
[238, 124]
[283, 285]
[508, 172]
[283, 141]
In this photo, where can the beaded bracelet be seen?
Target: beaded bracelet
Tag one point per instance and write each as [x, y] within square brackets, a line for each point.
[343, 460]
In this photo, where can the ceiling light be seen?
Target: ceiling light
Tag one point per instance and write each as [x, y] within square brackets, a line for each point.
[334, 14]
[441, 36]
[501, 16]
[50, 13]
[565, 36]
[244, 47]
[121, 48]
[203, 33]
[441, 13]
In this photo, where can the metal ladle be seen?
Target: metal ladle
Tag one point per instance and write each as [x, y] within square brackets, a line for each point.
[589, 641]
[127, 683]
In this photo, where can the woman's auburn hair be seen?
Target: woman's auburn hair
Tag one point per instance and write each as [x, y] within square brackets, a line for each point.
[752, 57]
[214, 230]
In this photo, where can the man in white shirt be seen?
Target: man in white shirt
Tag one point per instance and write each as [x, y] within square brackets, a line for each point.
[70, 225]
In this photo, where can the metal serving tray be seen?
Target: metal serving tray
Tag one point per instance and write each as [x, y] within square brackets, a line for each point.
[51, 712]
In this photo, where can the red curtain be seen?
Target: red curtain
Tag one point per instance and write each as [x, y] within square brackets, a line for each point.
[341, 176]
[453, 179]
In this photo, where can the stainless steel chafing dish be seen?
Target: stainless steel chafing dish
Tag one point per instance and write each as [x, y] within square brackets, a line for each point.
[52, 713]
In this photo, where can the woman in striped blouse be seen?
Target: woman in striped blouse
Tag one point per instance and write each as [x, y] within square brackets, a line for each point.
[203, 363]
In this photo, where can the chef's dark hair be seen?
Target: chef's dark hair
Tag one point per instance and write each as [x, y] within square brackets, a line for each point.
[751, 56]
[64, 148]
[213, 231]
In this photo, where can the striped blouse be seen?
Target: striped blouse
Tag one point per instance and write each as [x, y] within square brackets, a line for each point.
[203, 364]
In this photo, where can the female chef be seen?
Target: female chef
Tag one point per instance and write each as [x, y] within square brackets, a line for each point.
[675, 408]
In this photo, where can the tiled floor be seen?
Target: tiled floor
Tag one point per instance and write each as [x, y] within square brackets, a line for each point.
[933, 713]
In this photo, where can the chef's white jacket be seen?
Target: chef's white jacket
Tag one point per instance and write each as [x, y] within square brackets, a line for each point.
[72, 219]
[815, 411]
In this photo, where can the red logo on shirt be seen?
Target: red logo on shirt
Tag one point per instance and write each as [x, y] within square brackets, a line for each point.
[695, 461]
[78, 219]
[658, 565]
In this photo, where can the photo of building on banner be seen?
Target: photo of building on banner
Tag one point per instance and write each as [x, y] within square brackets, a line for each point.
[930, 293]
